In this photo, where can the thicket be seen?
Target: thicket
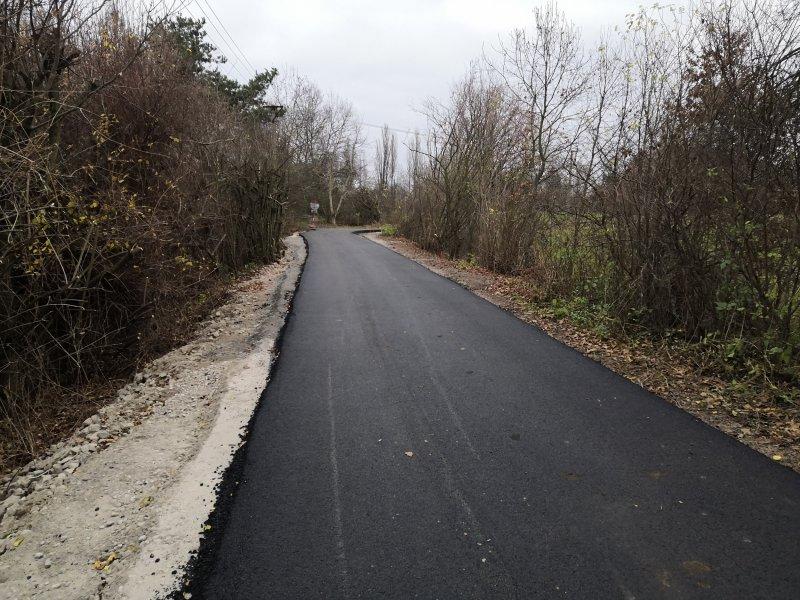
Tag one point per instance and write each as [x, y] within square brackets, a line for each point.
[134, 178]
[653, 178]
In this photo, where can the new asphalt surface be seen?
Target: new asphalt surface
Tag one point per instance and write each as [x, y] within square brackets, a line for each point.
[415, 441]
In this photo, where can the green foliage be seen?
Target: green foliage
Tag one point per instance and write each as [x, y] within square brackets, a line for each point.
[388, 230]
[189, 37]
[580, 311]
[249, 98]
[469, 262]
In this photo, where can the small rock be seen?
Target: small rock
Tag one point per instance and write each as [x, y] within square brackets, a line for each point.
[38, 555]
[13, 499]
[103, 434]
[17, 510]
[48, 563]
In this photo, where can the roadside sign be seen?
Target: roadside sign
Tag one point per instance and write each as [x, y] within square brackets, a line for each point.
[314, 207]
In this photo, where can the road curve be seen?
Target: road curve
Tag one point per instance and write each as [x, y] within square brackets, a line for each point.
[417, 441]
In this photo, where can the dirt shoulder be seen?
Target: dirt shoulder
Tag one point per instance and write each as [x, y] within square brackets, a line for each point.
[117, 510]
[669, 370]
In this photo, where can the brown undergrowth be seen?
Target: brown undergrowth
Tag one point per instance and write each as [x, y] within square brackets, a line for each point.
[58, 411]
[678, 371]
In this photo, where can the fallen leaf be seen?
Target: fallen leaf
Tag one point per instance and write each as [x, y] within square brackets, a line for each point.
[145, 501]
[777, 457]
[206, 527]
[17, 542]
[102, 565]
[696, 567]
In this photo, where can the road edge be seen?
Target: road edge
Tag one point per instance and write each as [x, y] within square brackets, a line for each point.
[193, 581]
[787, 456]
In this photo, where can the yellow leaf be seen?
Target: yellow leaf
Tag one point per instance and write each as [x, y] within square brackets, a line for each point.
[777, 457]
[145, 501]
[17, 542]
[102, 565]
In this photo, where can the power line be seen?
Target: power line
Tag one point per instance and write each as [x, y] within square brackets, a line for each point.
[231, 57]
[235, 58]
[230, 37]
[238, 54]
[396, 130]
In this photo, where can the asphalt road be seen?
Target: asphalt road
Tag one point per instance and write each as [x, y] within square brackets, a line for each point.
[418, 442]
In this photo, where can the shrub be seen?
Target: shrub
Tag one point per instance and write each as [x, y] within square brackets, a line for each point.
[132, 185]
[654, 179]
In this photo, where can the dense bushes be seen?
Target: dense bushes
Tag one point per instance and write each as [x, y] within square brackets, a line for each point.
[656, 178]
[133, 179]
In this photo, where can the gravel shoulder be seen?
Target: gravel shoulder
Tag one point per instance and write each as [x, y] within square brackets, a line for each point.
[669, 371]
[117, 510]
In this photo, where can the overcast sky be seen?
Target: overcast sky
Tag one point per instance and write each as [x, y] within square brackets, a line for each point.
[385, 57]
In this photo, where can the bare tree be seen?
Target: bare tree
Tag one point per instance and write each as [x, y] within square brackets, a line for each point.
[340, 143]
[545, 71]
[326, 141]
[385, 169]
[656, 175]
